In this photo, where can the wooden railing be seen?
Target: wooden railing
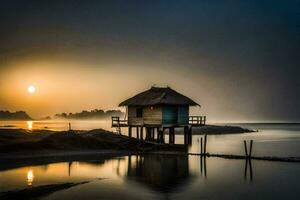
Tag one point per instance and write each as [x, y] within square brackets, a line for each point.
[193, 120]
[117, 122]
[197, 120]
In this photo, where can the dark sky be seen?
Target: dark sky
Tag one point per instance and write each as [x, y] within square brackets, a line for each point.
[238, 59]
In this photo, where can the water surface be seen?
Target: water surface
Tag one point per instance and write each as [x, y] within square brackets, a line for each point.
[178, 177]
[161, 177]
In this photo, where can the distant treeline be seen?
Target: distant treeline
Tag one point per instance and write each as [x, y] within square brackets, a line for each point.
[93, 114]
[19, 115]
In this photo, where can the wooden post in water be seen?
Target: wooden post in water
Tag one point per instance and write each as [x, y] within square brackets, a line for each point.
[69, 126]
[205, 141]
[245, 146]
[201, 145]
[190, 135]
[248, 159]
[250, 151]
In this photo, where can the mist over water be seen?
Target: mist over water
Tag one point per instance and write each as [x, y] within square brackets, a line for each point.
[270, 140]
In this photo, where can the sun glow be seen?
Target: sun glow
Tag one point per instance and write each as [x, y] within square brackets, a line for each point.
[30, 178]
[29, 125]
[31, 89]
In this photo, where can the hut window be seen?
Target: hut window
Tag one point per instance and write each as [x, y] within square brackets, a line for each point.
[139, 112]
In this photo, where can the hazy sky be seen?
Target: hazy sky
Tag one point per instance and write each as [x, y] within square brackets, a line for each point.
[239, 59]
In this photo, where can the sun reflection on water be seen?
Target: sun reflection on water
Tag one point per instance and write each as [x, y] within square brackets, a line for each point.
[30, 177]
[29, 125]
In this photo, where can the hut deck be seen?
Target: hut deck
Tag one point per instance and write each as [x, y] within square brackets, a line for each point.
[194, 121]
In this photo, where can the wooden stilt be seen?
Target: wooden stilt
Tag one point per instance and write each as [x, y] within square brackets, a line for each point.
[147, 134]
[137, 133]
[186, 134]
[171, 135]
[159, 135]
[150, 134]
[129, 131]
[163, 135]
[153, 134]
[142, 133]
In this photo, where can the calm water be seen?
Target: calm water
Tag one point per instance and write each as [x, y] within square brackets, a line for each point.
[174, 177]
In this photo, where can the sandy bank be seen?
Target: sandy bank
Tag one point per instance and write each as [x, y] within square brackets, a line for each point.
[19, 142]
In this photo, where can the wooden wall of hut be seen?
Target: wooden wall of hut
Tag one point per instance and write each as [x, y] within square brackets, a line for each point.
[150, 115]
[158, 115]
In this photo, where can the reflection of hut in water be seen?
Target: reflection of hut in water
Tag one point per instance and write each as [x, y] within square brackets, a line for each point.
[161, 173]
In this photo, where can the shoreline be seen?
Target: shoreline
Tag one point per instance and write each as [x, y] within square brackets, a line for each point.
[22, 144]
[21, 147]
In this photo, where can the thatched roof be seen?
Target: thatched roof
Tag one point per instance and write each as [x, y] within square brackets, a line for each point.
[159, 96]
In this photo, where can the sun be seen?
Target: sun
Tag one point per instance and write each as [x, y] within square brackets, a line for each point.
[31, 89]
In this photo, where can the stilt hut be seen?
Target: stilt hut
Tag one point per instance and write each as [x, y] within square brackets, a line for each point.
[158, 108]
